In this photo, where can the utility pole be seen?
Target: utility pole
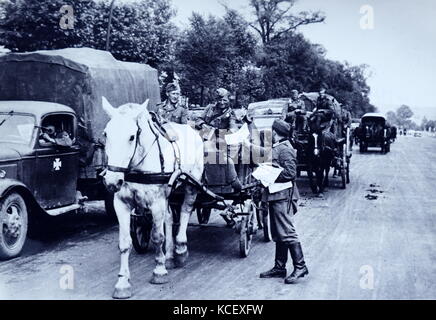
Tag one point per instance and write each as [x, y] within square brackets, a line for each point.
[109, 25]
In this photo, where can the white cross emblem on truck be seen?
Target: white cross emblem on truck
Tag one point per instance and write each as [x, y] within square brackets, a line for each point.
[57, 164]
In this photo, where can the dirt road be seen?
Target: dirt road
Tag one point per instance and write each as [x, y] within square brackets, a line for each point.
[355, 248]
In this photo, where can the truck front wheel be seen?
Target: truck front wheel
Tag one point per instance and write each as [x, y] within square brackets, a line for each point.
[13, 225]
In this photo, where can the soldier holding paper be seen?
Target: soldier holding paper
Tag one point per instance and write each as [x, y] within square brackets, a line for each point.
[282, 207]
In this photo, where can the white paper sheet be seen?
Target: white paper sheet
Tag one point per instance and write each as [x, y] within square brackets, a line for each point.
[239, 136]
[276, 187]
[267, 174]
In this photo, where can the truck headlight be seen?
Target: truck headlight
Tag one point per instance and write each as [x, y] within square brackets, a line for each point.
[2, 174]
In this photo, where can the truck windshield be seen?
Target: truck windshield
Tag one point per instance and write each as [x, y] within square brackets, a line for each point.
[16, 128]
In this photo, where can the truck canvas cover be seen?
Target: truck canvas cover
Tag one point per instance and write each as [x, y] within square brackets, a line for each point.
[78, 78]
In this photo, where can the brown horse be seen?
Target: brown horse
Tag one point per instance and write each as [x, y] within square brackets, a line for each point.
[321, 151]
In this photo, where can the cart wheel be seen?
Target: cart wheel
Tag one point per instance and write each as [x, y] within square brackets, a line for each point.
[203, 215]
[246, 231]
[140, 231]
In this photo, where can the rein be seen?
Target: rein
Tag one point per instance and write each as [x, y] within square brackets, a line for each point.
[146, 176]
[156, 138]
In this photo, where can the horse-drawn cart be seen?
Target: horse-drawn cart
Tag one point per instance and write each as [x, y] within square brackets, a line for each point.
[326, 143]
[241, 210]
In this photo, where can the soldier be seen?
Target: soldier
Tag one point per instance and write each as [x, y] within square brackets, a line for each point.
[323, 102]
[171, 110]
[220, 116]
[295, 113]
[282, 207]
[61, 139]
[344, 121]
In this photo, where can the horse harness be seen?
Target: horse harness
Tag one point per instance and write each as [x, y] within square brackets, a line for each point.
[142, 177]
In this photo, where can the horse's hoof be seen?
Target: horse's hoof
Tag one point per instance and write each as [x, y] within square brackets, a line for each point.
[159, 279]
[170, 264]
[180, 259]
[124, 293]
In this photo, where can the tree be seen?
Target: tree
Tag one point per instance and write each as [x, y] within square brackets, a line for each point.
[273, 18]
[240, 48]
[404, 115]
[141, 31]
[391, 116]
[213, 52]
[295, 63]
[431, 125]
[199, 56]
[32, 25]
[424, 123]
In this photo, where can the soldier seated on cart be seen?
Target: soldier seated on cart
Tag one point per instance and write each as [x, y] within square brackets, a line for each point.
[295, 113]
[282, 207]
[219, 118]
[170, 110]
[323, 102]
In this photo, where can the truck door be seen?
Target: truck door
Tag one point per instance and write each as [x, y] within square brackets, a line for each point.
[57, 162]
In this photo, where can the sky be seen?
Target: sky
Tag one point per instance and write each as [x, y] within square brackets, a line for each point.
[400, 50]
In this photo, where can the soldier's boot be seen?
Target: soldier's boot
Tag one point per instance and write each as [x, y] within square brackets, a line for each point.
[279, 269]
[300, 269]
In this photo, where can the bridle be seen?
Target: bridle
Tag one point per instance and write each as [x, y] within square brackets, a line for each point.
[128, 169]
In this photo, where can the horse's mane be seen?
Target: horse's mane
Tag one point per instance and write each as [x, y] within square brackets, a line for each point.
[127, 108]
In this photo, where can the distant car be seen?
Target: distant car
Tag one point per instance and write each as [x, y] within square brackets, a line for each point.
[417, 134]
[264, 113]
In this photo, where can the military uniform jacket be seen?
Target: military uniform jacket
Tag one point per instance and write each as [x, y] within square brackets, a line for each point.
[289, 114]
[169, 113]
[290, 109]
[285, 156]
[324, 103]
[217, 118]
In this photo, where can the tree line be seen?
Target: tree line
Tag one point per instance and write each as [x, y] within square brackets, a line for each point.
[257, 57]
[402, 118]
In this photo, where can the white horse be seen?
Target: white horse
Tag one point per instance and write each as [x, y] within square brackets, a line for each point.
[132, 142]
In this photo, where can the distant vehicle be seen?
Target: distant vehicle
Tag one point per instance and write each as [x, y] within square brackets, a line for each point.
[264, 113]
[417, 134]
[374, 132]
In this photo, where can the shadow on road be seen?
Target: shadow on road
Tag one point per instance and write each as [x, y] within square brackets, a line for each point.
[57, 231]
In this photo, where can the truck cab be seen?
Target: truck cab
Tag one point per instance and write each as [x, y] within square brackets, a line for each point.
[39, 161]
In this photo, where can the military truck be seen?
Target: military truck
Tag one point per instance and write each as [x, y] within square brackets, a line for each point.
[58, 93]
[374, 131]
